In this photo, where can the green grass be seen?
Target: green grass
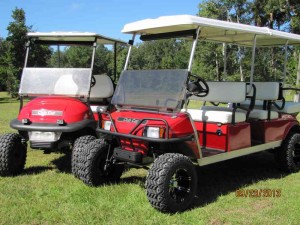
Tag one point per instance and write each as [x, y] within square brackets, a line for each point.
[47, 193]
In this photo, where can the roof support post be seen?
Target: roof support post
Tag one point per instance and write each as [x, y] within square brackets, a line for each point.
[115, 61]
[285, 61]
[252, 62]
[225, 60]
[195, 41]
[27, 53]
[93, 56]
[129, 51]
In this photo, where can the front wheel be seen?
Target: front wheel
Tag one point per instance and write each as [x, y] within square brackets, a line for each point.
[288, 155]
[79, 144]
[96, 166]
[12, 154]
[171, 183]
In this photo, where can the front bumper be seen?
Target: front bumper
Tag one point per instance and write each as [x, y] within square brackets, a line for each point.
[157, 140]
[43, 145]
[72, 127]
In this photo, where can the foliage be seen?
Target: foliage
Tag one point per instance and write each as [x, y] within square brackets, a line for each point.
[80, 57]
[161, 54]
[12, 55]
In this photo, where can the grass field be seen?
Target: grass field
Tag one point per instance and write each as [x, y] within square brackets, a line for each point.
[47, 193]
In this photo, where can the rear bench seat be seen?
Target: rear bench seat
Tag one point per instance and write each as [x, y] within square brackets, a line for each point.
[289, 107]
[233, 92]
[265, 91]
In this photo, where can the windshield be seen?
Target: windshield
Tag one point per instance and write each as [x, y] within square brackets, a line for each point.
[156, 89]
[73, 82]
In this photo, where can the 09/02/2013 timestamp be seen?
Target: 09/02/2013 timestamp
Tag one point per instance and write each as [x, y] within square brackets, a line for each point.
[257, 193]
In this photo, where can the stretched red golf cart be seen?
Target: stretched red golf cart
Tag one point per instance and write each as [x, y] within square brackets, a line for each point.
[153, 125]
[61, 112]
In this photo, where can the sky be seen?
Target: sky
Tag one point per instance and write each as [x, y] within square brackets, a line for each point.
[106, 17]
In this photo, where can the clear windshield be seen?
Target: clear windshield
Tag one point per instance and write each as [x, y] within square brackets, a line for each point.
[157, 89]
[73, 82]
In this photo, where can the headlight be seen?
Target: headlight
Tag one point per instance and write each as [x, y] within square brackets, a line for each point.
[106, 125]
[43, 136]
[154, 132]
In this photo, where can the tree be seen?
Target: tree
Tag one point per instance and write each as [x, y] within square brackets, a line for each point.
[17, 31]
[15, 53]
[161, 54]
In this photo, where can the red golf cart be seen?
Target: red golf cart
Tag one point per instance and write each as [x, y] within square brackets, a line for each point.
[61, 113]
[153, 125]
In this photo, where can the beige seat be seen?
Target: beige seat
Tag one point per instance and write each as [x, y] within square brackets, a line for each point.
[234, 92]
[65, 85]
[100, 92]
[216, 116]
[263, 114]
[103, 88]
[289, 108]
[265, 91]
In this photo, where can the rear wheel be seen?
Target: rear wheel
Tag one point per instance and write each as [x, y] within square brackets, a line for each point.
[96, 166]
[77, 148]
[288, 155]
[12, 154]
[171, 183]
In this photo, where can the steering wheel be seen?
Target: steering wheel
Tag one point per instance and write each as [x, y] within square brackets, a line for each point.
[93, 81]
[202, 87]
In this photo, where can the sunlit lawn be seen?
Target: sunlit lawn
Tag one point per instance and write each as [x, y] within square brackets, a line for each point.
[47, 193]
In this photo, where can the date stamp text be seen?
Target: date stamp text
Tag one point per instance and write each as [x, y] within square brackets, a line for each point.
[258, 193]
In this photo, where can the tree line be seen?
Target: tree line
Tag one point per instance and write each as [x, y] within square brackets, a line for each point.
[283, 15]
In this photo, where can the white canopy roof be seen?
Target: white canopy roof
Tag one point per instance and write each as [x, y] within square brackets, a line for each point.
[213, 30]
[72, 37]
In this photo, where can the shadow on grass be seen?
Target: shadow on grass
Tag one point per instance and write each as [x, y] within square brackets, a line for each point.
[213, 180]
[63, 163]
[35, 170]
[225, 177]
[134, 180]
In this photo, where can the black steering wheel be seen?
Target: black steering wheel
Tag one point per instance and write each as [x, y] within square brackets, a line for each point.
[93, 81]
[199, 87]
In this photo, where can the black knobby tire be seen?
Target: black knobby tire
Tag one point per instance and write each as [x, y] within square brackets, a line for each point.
[93, 158]
[13, 154]
[171, 183]
[77, 148]
[288, 155]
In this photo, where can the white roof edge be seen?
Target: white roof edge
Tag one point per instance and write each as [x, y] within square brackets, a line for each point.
[72, 34]
[60, 33]
[185, 22]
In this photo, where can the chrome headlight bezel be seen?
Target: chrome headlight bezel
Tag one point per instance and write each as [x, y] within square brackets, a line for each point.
[44, 136]
[153, 132]
[107, 124]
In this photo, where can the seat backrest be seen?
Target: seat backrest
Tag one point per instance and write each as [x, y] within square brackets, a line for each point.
[103, 88]
[65, 85]
[266, 90]
[224, 91]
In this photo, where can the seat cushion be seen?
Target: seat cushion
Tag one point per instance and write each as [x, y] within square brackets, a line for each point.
[290, 108]
[262, 114]
[216, 116]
